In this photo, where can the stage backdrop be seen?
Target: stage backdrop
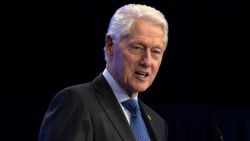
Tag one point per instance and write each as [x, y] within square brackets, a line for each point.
[48, 45]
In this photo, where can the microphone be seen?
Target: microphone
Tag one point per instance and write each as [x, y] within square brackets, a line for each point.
[218, 133]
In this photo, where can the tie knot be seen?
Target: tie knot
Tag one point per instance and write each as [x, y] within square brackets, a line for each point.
[131, 105]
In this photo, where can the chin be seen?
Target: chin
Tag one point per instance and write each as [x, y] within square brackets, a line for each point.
[142, 89]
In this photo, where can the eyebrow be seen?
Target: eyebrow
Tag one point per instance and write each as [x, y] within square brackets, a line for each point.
[144, 45]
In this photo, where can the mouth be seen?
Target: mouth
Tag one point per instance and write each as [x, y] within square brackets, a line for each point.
[142, 74]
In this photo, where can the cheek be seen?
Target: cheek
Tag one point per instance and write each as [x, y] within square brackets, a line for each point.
[156, 68]
[128, 60]
[124, 63]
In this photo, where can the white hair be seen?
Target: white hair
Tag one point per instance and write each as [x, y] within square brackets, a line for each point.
[125, 16]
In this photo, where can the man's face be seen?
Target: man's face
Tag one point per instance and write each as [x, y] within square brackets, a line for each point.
[136, 59]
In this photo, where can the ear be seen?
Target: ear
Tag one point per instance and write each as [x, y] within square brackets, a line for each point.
[109, 45]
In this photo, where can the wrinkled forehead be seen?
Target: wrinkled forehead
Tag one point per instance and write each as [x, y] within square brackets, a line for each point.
[147, 30]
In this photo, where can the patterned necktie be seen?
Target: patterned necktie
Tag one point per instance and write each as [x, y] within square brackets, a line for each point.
[136, 122]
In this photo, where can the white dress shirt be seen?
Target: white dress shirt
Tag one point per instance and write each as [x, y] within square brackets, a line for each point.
[120, 94]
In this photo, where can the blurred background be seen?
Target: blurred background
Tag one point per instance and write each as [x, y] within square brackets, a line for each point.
[48, 45]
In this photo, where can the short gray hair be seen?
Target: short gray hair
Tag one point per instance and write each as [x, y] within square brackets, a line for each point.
[125, 16]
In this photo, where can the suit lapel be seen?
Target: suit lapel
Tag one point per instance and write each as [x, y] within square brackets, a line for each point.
[150, 122]
[112, 108]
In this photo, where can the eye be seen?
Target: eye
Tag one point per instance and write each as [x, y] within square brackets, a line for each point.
[137, 48]
[157, 51]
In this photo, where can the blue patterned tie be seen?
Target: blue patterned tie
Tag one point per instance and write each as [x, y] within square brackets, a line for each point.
[136, 122]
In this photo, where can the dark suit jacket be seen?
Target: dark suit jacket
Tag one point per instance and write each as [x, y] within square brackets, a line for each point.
[91, 112]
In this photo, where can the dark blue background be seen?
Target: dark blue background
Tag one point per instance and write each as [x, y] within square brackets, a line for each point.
[49, 45]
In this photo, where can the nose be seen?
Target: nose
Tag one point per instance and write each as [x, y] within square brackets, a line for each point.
[146, 59]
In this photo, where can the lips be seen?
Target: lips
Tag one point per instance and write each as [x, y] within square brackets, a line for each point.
[142, 74]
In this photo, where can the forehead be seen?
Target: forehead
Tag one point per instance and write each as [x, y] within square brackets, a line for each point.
[146, 31]
[145, 26]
